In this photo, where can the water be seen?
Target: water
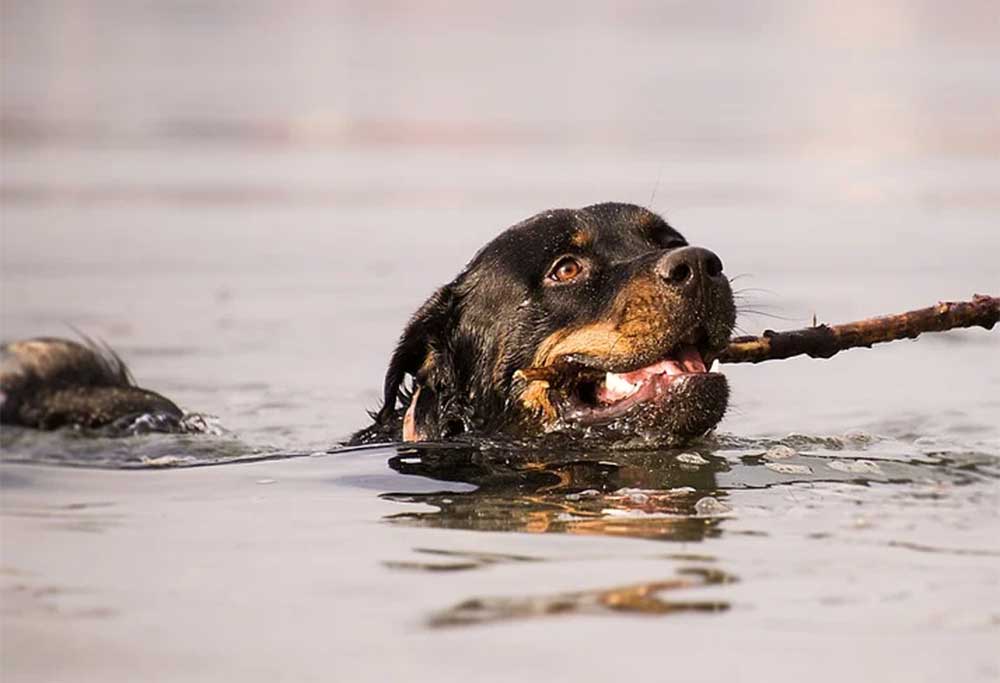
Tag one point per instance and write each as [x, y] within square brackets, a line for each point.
[247, 203]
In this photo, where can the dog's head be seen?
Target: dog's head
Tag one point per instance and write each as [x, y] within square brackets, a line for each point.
[599, 322]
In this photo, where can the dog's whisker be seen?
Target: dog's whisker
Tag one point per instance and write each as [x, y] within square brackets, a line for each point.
[764, 314]
[611, 352]
[761, 290]
[755, 307]
[659, 176]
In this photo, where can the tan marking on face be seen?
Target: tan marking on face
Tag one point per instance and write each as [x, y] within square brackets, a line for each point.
[644, 308]
[535, 398]
[639, 326]
[645, 219]
[581, 238]
[597, 339]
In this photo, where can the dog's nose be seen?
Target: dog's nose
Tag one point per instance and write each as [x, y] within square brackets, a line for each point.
[688, 267]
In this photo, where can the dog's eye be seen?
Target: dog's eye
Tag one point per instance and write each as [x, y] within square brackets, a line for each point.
[565, 269]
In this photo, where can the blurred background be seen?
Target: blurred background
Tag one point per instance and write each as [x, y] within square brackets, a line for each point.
[249, 199]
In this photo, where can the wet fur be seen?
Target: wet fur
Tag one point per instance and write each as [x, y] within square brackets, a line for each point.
[455, 370]
[49, 383]
[462, 349]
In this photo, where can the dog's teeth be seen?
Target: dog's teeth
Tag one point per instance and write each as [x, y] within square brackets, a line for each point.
[616, 384]
[715, 366]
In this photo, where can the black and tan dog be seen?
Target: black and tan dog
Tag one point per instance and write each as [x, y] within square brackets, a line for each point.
[597, 323]
[52, 383]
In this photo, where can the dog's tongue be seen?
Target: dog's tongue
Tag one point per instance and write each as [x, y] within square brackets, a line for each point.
[692, 360]
[617, 386]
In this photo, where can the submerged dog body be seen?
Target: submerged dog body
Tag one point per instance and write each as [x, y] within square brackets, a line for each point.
[597, 323]
[50, 383]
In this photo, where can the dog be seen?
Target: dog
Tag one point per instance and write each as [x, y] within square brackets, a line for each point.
[593, 324]
[50, 383]
[598, 323]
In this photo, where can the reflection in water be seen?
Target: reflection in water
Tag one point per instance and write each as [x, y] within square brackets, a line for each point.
[455, 560]
[668, 495]
[663, 495]
[640, 598]
[639, 494]
[654, 495]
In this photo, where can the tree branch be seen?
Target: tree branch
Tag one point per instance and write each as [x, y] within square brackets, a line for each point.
[823, 341]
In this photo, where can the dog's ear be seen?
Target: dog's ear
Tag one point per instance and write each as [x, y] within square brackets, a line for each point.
[426, 333]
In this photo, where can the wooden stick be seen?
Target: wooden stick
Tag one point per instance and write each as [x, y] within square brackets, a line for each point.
[823, 341]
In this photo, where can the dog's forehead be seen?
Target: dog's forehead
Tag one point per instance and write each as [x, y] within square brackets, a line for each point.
[625, 227]
[613, 230]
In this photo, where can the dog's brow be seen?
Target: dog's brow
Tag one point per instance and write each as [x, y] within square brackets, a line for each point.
[633, 258]
[582, 238]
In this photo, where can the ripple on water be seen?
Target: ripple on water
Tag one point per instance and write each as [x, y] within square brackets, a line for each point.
[853, 491]
[687, 495]
[671, 495]
[139, 444]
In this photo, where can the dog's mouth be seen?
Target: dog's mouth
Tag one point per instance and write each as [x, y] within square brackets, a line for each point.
[676, 391]
[591, 395]
[597, 396]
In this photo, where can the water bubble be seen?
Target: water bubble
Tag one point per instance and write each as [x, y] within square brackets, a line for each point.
[582, 495]
[856, 466]
[637, 498]
[787, 468]
[199, 423]
[168, 461]
[780, 453]
[711, 507]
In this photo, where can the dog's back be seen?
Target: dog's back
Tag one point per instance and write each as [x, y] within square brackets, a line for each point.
[48, 383]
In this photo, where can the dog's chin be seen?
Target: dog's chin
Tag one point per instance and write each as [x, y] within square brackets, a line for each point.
[659, 413]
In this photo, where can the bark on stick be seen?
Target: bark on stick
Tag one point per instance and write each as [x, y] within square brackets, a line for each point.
[823, 341]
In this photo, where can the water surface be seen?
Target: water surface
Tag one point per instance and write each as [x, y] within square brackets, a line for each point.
[248, 202]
